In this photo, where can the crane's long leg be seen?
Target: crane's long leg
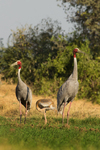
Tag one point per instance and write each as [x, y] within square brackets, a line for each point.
[20, 111]
[25, 113]
[68, 112]
[45, 116]
[63, 113]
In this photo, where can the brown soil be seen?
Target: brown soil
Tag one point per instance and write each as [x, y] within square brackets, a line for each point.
[9, 105]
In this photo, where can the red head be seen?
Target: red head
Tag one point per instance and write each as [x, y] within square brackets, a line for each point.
[76, 50]
[19, 64]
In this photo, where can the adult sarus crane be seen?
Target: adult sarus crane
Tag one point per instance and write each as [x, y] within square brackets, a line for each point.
[23, 92]
[69, 89]
[43, 105]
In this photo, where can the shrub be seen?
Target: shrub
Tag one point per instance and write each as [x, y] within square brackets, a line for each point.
[47, 62]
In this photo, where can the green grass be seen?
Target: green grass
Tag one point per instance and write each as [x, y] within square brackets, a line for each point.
[81, 135]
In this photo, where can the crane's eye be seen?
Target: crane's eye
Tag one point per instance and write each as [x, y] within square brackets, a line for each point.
[19, 62]
[75, 50]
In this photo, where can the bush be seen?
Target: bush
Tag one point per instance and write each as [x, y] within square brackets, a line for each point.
[47, 62]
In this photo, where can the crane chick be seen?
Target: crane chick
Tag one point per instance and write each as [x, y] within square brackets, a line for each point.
[23, 92]
[44, 105]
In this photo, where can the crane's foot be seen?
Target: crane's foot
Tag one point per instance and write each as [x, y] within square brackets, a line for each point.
[62, 121]
[46, 121]
[67, 126]
[20, 118]
[25, 120]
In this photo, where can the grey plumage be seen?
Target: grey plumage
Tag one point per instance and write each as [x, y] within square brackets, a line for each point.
[23, 92]
[66, 93]
[69, 89]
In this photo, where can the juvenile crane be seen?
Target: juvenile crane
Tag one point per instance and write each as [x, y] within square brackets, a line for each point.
[69, 89]
[23, 92]
[43, 105]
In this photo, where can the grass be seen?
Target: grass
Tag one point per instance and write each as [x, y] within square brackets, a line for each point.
[80, 134]
[9, 105]
[83, 132]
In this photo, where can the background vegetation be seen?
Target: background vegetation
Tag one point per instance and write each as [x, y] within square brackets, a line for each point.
[85, 15]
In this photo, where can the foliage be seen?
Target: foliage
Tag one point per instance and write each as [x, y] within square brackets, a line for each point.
[85, 15]
[1, 51]
[31, 46]
[47, 61]
[88, 71]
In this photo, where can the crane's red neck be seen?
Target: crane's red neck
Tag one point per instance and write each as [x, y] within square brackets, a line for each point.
[74, 52]
[19, 64]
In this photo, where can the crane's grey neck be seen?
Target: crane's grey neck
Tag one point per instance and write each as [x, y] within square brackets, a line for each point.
[19, 79]
[75, 74]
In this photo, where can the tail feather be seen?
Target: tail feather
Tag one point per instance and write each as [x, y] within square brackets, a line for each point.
[60, 109]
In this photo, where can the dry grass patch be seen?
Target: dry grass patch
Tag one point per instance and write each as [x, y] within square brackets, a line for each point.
[9, 105]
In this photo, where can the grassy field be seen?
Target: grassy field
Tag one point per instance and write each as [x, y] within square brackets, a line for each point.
[80, 134]
[83, 132]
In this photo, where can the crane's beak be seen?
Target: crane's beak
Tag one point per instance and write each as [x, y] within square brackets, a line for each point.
[13, 64]
[81, 52]
[84, 54]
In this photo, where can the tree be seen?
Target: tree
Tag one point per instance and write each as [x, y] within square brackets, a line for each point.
[32, 46]
[86, 16]
[1, 51]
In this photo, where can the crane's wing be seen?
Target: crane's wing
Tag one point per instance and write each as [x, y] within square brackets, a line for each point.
[67, 92]
[64, 92]
[23, 94]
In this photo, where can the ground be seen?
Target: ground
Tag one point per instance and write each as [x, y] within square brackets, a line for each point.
[9, 105]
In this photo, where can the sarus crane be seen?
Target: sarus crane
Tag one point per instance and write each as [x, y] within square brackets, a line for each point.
[44, 105]
[69, 89]
[23, 92]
